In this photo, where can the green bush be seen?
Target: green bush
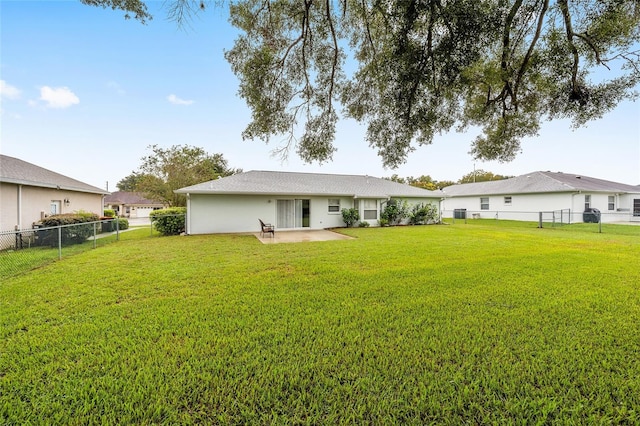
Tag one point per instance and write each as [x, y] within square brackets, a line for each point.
[350, 216]
[70, 234]
[109, 213]
[363, 224]
[422, 214]
[122, 223]
[395, 211]
[169, 221]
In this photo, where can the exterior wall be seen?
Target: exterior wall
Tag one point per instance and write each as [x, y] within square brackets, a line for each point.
[36, 202]
[527, 206]
[210, 214]
[523, 206]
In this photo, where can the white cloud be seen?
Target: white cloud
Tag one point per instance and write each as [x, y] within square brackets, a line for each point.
[115, 86]
[177, 101]
[7, 91]
[58, 97]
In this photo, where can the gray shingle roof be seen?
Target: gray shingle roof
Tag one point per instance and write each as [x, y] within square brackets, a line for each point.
[538, 182]
[290, 183]
[14, 170]
[126, 197]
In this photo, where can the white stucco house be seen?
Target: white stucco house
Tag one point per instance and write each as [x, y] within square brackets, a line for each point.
[523, 197]
[132, 204]
[291, 200]
[28, 193]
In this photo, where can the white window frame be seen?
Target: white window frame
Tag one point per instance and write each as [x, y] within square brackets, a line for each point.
[587, 201]
[611, 202]
[484, 205]
[369, 209]
[333, 206]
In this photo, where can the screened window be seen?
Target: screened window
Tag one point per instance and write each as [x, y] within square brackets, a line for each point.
[334, 205]
[587, 202]
[612, 202]
[369, 209]
[484, 203]
[507, 201]
[636, 207]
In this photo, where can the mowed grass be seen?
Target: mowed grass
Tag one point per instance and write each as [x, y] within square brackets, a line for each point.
[410, 325]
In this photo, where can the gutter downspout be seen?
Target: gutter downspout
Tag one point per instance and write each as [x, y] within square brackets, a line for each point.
[188, 222]
[19, 195]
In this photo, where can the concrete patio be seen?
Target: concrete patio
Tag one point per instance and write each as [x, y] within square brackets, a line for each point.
[300, 236]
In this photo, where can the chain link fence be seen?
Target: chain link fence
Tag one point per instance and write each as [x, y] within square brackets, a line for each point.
[27, 249]
[596, 221]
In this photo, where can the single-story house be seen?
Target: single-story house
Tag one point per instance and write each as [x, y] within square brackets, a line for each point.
[565, 196]
[131, 204]
[291, 200]
[28, 193]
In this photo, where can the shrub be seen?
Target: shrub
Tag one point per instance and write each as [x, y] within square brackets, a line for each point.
[350, 216]
[394, 212]
[169, 221]
[423, 214]
[109, 213]
[122, 223]
[363, 224]
[70, 234]
[383, 222]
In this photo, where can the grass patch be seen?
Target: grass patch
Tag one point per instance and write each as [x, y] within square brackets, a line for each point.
[412, 325]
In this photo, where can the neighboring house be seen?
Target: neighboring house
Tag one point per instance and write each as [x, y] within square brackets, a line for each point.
[131, 204]
[28, 193]
[290, 200]
[523, 197]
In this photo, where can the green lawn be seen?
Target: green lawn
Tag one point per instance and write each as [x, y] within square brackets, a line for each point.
[441, 324]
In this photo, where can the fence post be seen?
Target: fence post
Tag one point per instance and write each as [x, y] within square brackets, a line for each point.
[59, 242]
[600, 224]
[95, 235]
[117, 229]
[539, 219]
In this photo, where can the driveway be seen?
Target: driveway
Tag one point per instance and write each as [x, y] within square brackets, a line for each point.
[301, 236]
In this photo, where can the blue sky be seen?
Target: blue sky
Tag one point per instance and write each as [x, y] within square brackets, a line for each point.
[85, 92]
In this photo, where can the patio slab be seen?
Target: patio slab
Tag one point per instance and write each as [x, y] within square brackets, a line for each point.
[301, 236]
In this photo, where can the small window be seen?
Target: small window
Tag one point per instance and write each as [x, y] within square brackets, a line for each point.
[507, 201]
[484, 203]
[334, 205]
[612, 202]
[369, 209]
[587, 202]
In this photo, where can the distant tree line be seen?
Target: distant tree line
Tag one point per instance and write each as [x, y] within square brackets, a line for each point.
[426, 182]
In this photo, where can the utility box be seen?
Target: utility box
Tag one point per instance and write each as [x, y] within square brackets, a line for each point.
[591, 216]
[459, 213]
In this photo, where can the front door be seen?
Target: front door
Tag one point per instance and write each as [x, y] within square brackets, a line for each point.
[293, 214]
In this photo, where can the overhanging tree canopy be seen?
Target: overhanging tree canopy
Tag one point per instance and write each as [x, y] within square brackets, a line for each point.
[420, 68]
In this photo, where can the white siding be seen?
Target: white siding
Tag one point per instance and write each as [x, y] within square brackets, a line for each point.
[527, 206]
[211, 214]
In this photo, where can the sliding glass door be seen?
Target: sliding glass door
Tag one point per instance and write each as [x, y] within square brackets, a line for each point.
[293, 214]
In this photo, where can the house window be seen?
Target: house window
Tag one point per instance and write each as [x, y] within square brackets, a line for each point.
[334, 205]
[507, 201]
[612, 202]
[369, 209]
[55, 207]
[587, 202]
[484, 203]
[636, 207]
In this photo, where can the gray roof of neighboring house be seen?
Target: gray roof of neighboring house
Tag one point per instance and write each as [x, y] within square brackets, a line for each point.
[19, 172]
[290, 183]
[126, 197]
[539, 182]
